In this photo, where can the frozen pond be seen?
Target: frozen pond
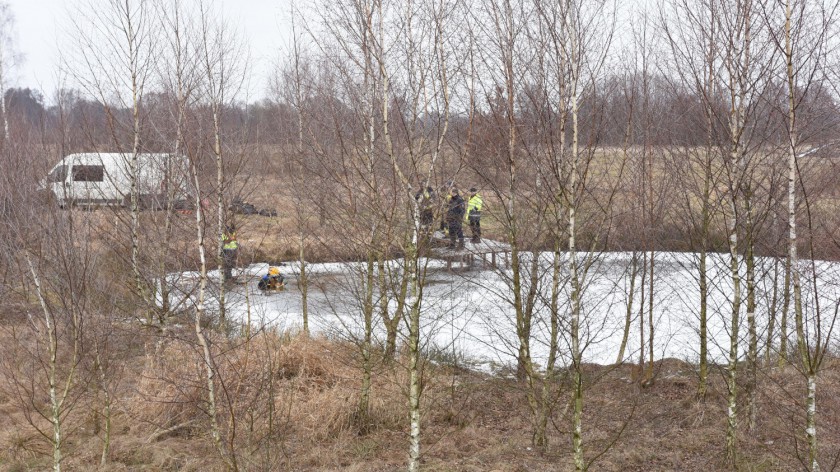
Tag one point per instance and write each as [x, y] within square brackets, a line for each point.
[470, 314]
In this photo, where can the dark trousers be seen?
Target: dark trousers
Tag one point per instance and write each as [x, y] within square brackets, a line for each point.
[229, 261]
[475, 227]
[427, 217]
[455, 230]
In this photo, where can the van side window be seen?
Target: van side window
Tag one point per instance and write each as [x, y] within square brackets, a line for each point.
[88, 173]
[58, 174]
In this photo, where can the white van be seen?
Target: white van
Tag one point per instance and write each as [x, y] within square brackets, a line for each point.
[92, 179]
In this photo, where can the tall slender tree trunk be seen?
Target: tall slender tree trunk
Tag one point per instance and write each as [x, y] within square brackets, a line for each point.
[220, 212]
[772, 312]
[642, 295]
[783, 316]
[52, 369]
[547, 401]
[738, 66]
[704, 246]
[735, 127]
[106, 408]
[133, 171]
[752, 351]
[731, 379]
[811, 421]
[577, 360]
[704, 341]
[414, 389]
[628, 315]
[392, 322]
[303, 283]
[651, 324]
[367, 364]
[540, 438]
[207, 356]
[55, 412]
[6, 134]
[736, 124]
[808, 360]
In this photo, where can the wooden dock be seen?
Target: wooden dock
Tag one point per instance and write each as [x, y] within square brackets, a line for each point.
[488, 251]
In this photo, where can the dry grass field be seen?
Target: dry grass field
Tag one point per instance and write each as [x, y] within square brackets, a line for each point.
[472, 422]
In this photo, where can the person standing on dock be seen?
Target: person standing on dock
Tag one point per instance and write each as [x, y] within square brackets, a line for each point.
[473, 215]
[454, 215]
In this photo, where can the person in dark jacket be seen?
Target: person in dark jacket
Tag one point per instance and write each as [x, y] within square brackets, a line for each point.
[454, 217]
[426, 199]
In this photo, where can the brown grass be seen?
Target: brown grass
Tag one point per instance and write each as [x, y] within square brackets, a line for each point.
[472, 421]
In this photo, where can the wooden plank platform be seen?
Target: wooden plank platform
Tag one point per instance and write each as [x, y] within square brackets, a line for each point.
[497, 251]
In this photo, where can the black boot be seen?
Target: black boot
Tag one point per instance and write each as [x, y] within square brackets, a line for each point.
[461, 243]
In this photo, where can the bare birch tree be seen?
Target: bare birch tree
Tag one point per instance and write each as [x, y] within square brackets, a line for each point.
[8, 58]
[55, 263]
[113, 62]
[802, 33]
[694, 35]
[223, 61]
[577, 39]
[396, 88]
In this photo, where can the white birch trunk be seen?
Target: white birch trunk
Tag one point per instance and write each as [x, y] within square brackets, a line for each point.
[809, 363]
[706, 217]
[738, 67]
[303, 282]
[6, 134]
[52, 349]
[207, 356]
[577, 417]
[368, 305]
[136, 93]
[106, 409]
[811, 421]
[220, 209]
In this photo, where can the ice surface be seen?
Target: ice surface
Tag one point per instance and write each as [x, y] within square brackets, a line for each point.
[469, 314]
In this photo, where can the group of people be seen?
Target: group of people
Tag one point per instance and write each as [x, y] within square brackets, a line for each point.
[457, 212]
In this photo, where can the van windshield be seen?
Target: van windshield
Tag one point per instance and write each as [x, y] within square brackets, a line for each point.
[88, 173]
[59, 174]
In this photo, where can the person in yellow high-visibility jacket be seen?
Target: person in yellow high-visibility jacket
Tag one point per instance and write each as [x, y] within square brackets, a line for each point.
[473, 214]
[230, 251]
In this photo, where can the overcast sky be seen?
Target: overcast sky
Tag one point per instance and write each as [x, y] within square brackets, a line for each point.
[39, 25]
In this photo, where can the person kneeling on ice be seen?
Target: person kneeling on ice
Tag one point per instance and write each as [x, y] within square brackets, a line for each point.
[272, 280]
